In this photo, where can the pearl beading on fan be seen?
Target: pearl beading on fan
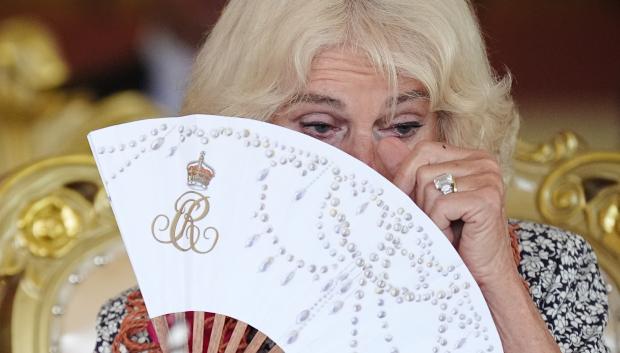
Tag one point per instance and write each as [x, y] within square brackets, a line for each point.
[365, 274]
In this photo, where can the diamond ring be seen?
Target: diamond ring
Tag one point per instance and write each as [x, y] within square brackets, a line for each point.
[445, 183]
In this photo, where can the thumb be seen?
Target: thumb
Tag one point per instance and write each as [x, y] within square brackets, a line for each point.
[391, 152]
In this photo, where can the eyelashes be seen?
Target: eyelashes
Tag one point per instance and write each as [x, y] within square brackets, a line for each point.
[325, 130]
[320, 130]
[403, 130]
[318, 127]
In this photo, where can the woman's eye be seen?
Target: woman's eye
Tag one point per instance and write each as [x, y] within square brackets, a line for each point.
[317, 127]
[405, 129]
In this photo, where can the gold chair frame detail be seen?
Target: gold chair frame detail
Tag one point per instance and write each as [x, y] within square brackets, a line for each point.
[582, 194]
[60, 219]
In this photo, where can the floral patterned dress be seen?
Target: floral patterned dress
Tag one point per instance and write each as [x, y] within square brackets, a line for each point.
[559, 267]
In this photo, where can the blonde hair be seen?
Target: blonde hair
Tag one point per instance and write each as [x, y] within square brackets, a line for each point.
[258, 57]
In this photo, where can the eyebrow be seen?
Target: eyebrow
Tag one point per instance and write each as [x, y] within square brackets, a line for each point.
[318, 99]
[411, 95]
[314, 98]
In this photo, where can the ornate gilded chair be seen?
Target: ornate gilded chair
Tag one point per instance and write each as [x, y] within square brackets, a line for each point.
[60, 256]
[55, 224]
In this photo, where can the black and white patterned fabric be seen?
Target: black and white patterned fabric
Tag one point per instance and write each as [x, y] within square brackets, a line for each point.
[559, 267]
[566, 286]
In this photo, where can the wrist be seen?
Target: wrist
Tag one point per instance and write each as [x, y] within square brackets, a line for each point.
[503, 283]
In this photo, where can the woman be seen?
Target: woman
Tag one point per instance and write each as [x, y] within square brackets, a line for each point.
[406, 87]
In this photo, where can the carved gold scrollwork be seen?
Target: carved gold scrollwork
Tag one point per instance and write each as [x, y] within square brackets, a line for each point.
[604, 215]
[583, 195]
[56, 227]
[39, 118]
[609, 218]
[54, 214]
[564, 145]
[48, 226]
[567, 199]
[22, 82]
[44, 212]
[571, 187]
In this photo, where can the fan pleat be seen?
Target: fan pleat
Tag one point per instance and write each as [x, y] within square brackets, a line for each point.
[198, 331]
[235, 339]
[256, 343]
[179, 319]
[216, 333]
[161, 329]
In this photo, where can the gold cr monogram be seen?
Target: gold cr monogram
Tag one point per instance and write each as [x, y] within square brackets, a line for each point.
[182, 232]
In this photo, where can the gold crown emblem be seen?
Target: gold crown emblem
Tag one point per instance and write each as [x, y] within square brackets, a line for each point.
[199, 174]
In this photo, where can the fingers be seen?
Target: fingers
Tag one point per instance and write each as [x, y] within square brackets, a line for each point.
[473, 218]
[467, 175]
[477, 176]
[475, 208]
[478, 187]
[427, 153]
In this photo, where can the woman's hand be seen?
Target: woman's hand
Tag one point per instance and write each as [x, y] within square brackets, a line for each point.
[473, 218]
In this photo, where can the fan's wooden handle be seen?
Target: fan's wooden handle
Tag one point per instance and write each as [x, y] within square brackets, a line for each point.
[216, 334]
[179, 319]
[217, 327]
[198, 331]
[235, 339]
[257, 341]
[161, 329]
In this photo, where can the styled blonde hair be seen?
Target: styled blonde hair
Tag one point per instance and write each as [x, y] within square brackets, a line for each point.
[258, 57]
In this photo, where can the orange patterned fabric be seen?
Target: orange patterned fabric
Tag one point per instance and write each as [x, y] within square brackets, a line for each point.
[137, 321]
[514, 244]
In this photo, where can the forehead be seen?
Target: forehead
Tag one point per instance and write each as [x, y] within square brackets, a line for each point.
[347, 67]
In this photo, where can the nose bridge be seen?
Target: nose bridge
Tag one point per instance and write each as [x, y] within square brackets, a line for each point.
[361, 144]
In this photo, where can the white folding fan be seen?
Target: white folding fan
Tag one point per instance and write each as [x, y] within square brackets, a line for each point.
[287, 234]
